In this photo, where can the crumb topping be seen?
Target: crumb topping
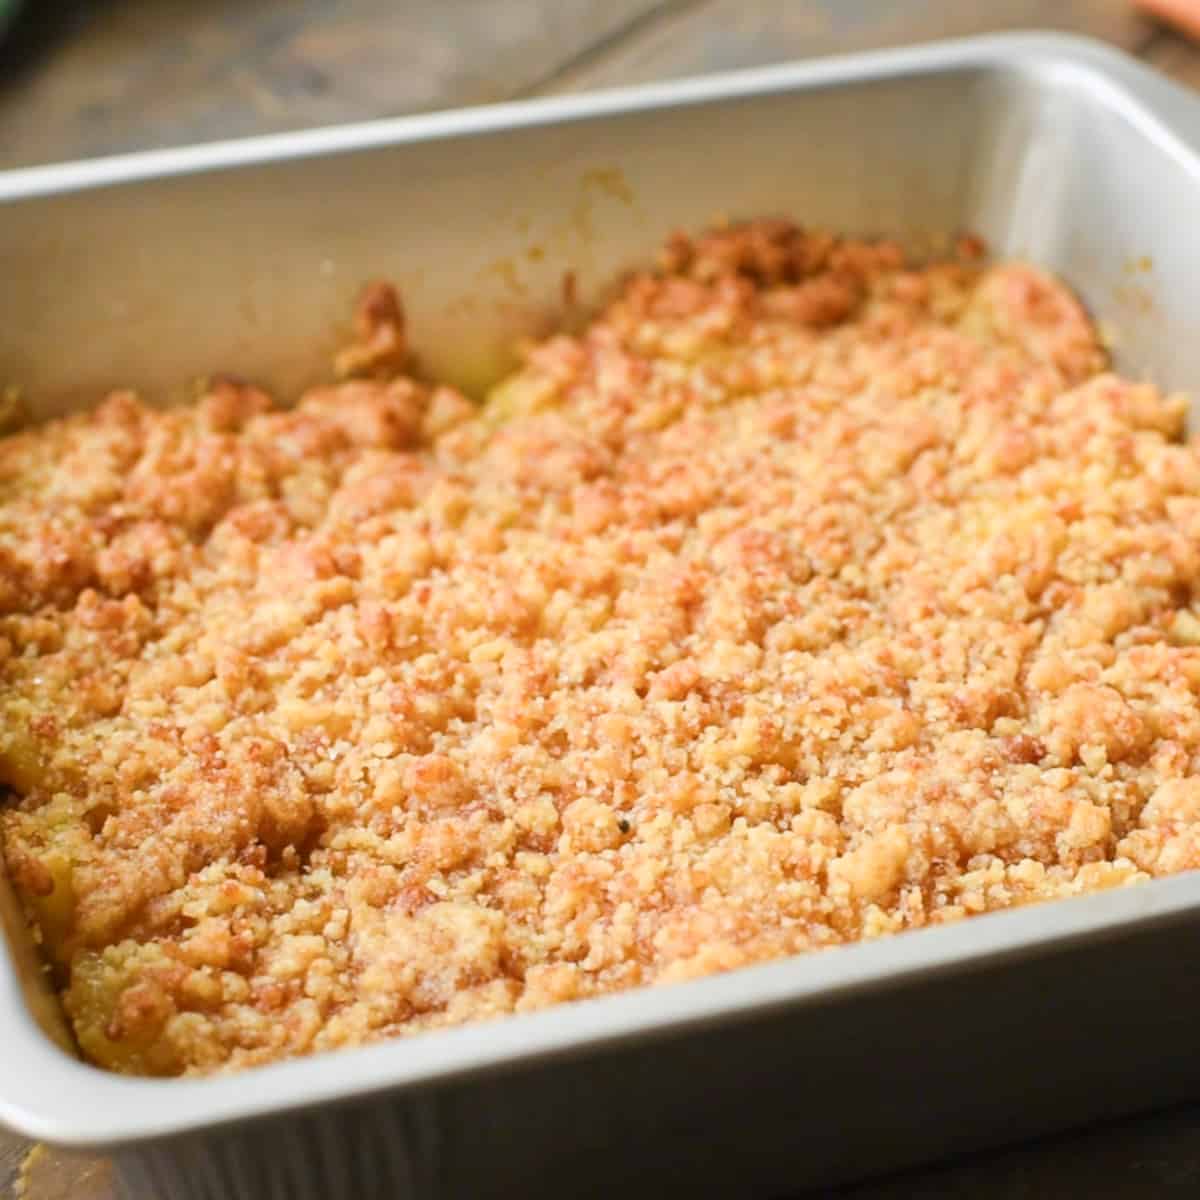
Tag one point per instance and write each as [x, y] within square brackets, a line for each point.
[806, 596]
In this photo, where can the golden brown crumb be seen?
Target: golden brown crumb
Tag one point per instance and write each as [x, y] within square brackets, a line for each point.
[805, 597]
[12, 409]
[379, 324]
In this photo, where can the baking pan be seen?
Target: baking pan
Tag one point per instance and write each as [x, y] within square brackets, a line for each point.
[153, 269]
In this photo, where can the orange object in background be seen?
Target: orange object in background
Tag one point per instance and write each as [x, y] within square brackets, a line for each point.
[1183, 15]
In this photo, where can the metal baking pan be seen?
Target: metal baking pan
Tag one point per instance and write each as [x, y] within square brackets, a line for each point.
[153, 269]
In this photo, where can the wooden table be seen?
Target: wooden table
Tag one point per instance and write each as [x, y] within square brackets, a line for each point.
[88, 78]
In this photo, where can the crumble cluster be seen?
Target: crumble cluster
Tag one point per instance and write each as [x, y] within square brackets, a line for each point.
[805, 597]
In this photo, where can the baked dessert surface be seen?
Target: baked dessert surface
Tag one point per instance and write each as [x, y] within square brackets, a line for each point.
[804, 597]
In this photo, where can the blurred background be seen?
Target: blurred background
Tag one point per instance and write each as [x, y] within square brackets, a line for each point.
[89, 77]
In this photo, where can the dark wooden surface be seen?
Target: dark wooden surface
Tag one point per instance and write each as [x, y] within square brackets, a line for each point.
[89, 77]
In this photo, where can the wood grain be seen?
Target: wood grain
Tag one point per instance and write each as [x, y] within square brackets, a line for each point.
[148, 73]
[43, 1174]
[726, 34]
[144, 73]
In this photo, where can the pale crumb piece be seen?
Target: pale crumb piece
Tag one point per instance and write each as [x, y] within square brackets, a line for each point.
[804, 597]
[1185, 628]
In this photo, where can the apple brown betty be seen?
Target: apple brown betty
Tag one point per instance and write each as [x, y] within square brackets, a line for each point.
[804, 597]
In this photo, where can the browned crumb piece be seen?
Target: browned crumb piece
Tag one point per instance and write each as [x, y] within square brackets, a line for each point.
[12, 409]
[379, 325]
[806, 596]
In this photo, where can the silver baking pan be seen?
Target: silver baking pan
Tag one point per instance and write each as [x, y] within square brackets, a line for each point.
[154, 269]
